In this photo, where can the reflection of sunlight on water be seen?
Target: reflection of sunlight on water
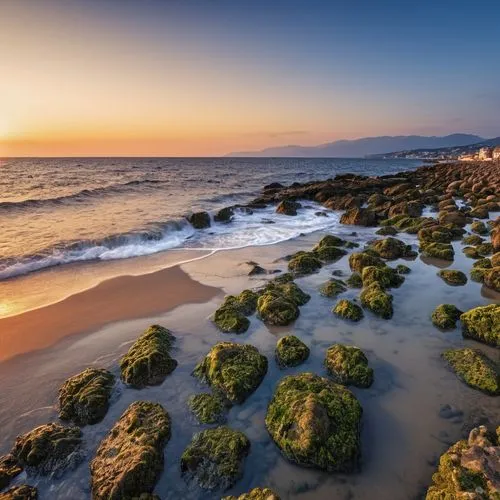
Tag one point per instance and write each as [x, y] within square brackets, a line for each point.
[6, 308]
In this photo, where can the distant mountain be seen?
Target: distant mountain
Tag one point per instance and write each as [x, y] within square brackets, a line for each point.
[440, 153]
[359, 148]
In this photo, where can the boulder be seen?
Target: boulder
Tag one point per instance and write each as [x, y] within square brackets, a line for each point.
[332, 288]
[291, 351]
[200, 220]
[445, 316]
[230, 317]
[392, 248]
[348, 365]
[23, 492]
[402, 269]
[472, 239]
[288, 207]
[354, 280]
[224, 215]
[303, 263]
[358, 261]
[9, 469]
[346, 309]
[482, 324]
[386, 277]
[471, 252]
[208, 408]
[479, 227]
[453, 277]
[387, 231]
[374, 298]
[442, 251]
[359, 217]
[329, 253]
[492, 278]
[129, 459]
[255, 494]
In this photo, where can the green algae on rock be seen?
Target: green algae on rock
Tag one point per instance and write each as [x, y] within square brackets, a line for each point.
[377, 300]
[475, 369]
[354, 281]
[471, 252]
[84, 398]
[49, 449]
[472, 239]
[467, 469]
[9, 469]
[402, 269]
[479, 227]
[445, 316]
[255, 494]
[492, 278]
[303, 263]
[484, 249]
[386, 277]
[148, 361]
[200, 220]
[387, 231]
[482, 324]
[348, 365]
[208, 408]
[329, 253]
[477, 274]
[442, 251]
[289, 291]
[214, 458]
[276, 310]
[332, 288]
[236, 370]
[22, 492]
[315, 422]
[360, 260]
[230, 317]
[346, 309]
[392, 248]
[129, 459]
[291, 351]
[452, 277]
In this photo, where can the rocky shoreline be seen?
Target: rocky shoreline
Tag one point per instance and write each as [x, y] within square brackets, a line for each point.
[315, 421]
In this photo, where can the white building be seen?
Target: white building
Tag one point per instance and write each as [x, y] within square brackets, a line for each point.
[485, 154]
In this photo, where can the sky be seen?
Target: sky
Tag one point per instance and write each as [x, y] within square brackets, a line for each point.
[206, 77]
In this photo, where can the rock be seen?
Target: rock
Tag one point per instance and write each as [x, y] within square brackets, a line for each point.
[332, 288]
[288, 207]
[484, 263]
[479, 213]
[358, 261]
[392, 248]
[346, 309]
[208, 408]
[472, 239]
[359, 217]
[477, 274]
[374, 298]
[492, 278]
[449, 412]
[273, 185]
[214, 458]
[445, 316]
[475, 369]
[412, 208]
[386, 277]
[84, 398]
[348, 365]
[468, 470]
[442, 251]
[255, 269]
[330, 240]
[23, 492]
[408, 224]
[482, 324]
[291, 351]
[129, 459]
[457, 218]
[49, 449]
[315, 422]
[398, 189]
[303, 263]
[9, 469]
[387, 231]
[402, 269]
[435, 234]
[354, 281]
[288, 290]
[484, 249]
[200, 220]
[452, 277]
[495, 260]
[471, 252]
[230, 317]
[224, 215]
[148, 361]
[479, 227]
[256, 494]
[235, 370]
[329, 253]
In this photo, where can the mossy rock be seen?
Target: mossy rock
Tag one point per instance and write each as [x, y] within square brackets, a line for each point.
[200, 220]
[495, 260]
[236, 370]
[482, 324]
[445, 316]
[348, 365]
[402, 269]
[304, 263]
[387, 231]
[289, 291]
[358, 261]
[386, 277]
[346, 309]
[332, 288]
[214, 458]
[484, 249]
[471, 252]
[291, 351]
[49, 449]
[276, 310]
[315, 422]
[129, 460]
[84, 398]
[442, 251]
[453, 277]
[477, 274]
[472, 239]
[255, 494]
[479, 227]
[374, 298]
[224, 215]
[9, 469]
[329, 254]
[475, 369]
[435, 234]
[148, 361]
[288, 207]
[492, 278]
[483, 263]
[354, 281]
[464, 471]
[22, 492]
[208, 408]
[408, 224]
[330, 241]
[392, 248]
[230, 317]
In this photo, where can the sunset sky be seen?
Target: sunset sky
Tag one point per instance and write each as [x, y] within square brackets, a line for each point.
[185, 77]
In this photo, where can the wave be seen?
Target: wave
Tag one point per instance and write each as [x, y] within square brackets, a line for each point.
[82, 195]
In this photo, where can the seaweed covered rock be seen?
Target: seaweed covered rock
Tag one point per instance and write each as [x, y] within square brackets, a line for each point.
[129, 459]
[315, 422]
[23, 492]
[452, 277]
[359, 217]
[392, 248]
[445, 316]
[9, 469]
[288, 290]
[442, 251]
[386, 277]
[472, 239]
[358, 261]
[330, 240]
[214, 458]
[347, 309]
[224, 214]
[288, 207]
[348, 365]
[377, 300]
[329, 253]
[387, 231]
[255, 494]
[479, 227]
[332, 288]
[235, 370]
[200, 220]
[475, 369]
[148, 361]
[492, 278]
[208, 408]
[84, 398]
[303, 263]
[49, 449]
[354, 280]
[482, 324]
[402, 269]
[471, 252]
[408, 224]
[291, 351]
[230, 317]
[484, 249]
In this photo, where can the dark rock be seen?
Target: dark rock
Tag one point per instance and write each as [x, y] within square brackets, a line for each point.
[224, 215]
[348, 365]
[23, 492]
[208, 408]
[359, 217]
[9, 469]
[288, 207]
[200, 220]
[291, 351]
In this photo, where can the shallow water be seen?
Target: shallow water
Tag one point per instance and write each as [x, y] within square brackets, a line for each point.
[403, 434]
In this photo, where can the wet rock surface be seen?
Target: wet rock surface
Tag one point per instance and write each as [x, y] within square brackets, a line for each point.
[291, 351]
[208, 408]
[23, 492]
[445, 316]
[347, 309]
[482, 324]
[9, 469]
[256, 494]
[348, 365]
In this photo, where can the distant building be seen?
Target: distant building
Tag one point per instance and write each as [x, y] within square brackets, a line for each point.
[485, 154]
[496, 153]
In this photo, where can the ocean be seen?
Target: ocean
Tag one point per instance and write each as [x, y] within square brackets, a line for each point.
[55, 211]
